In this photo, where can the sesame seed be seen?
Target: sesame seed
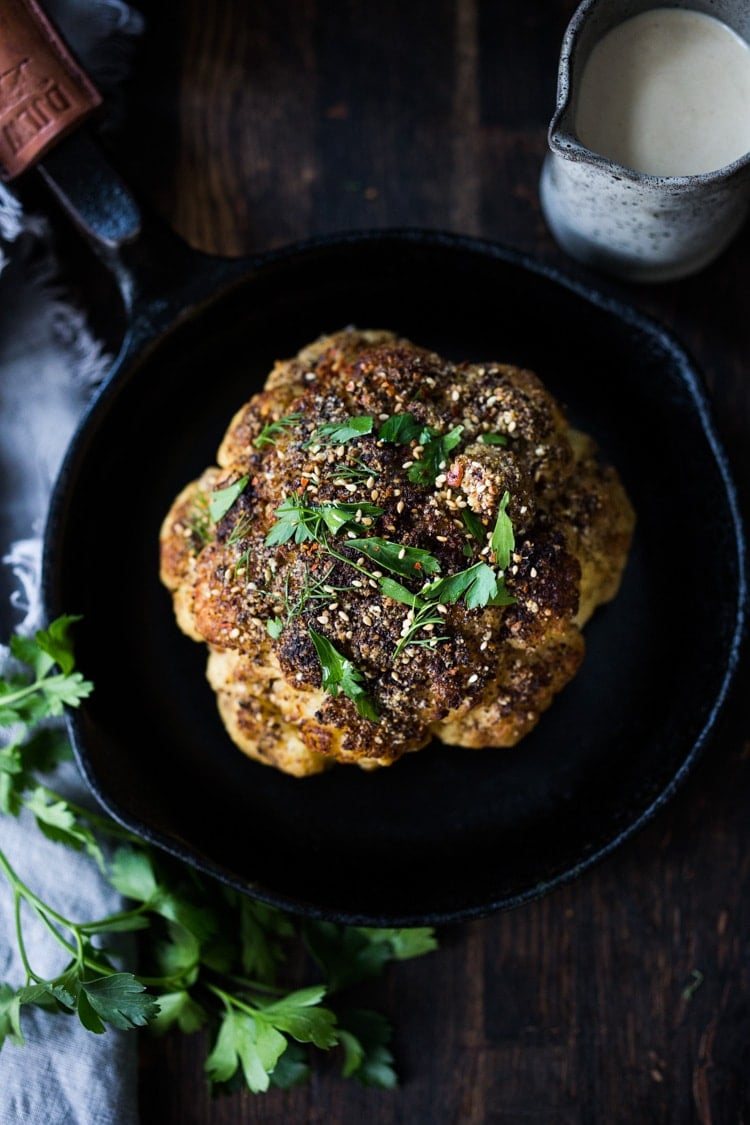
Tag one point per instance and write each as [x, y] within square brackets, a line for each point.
[402, 552]
[400, 506]
[473, 678]
[455, 396]
[234, 634]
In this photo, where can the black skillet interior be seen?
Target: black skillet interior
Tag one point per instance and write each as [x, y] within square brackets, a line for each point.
[445, 833]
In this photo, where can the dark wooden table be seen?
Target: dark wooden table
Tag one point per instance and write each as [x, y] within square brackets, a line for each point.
[624, 997]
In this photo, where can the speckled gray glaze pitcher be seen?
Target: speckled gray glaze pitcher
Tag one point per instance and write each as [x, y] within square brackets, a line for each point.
[624, 222]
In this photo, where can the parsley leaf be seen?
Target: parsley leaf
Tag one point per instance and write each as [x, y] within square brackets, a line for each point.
[474, 525]
[29, 699]
[503, 540]
[409, 562]
[365, 1036]
[428, 468]
[478, 585]
[340, 673]
[120, 999]
[337, 433]
[221, 499]
[244, 1041]
[348, 955]
[401, 429]
[404, 428]
[399, 593]
[493, 439]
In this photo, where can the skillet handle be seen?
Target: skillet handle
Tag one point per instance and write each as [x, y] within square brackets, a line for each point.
[44, 94]
[44, 97]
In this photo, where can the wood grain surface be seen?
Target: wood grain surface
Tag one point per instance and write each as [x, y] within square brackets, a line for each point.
[625, 996]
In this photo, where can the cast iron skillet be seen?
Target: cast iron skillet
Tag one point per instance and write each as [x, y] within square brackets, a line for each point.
[445, 834]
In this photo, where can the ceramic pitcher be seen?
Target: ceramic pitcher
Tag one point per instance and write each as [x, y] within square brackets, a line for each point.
[624, 222]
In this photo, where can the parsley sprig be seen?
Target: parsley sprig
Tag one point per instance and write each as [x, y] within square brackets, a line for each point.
[304, 522]
[210, 958]
[338, 673]
[338, 433]
[404, 428]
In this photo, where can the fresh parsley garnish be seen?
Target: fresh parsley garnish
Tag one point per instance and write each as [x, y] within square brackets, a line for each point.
[210, 957]
[338, 433]
[474, 525]
[404, 428]
[434, 457]
[409, 562]
[479, 585]
[503, 540]
[493, 439]
[221, 499]
[303, 522]
[338, 673]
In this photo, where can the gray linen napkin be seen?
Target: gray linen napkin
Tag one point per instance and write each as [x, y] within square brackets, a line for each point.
[49, 365]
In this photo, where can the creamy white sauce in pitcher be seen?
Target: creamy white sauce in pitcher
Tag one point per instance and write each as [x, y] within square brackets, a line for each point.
[667, 92]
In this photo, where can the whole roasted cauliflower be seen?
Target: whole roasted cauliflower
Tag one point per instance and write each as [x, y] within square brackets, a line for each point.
[392, 548]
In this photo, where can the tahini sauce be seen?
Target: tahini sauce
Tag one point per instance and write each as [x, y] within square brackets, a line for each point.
[667, 92]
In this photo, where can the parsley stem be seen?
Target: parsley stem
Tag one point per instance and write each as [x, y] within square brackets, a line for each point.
[30, 974]
[13, 697]
[230, 1001]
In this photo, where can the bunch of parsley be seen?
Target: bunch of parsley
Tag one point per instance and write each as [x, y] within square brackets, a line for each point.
[208, 957]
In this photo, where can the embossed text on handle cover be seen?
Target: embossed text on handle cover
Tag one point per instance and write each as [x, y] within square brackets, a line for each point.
[43, 91]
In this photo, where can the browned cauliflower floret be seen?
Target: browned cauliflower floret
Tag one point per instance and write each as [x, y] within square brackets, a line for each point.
[392, 548]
